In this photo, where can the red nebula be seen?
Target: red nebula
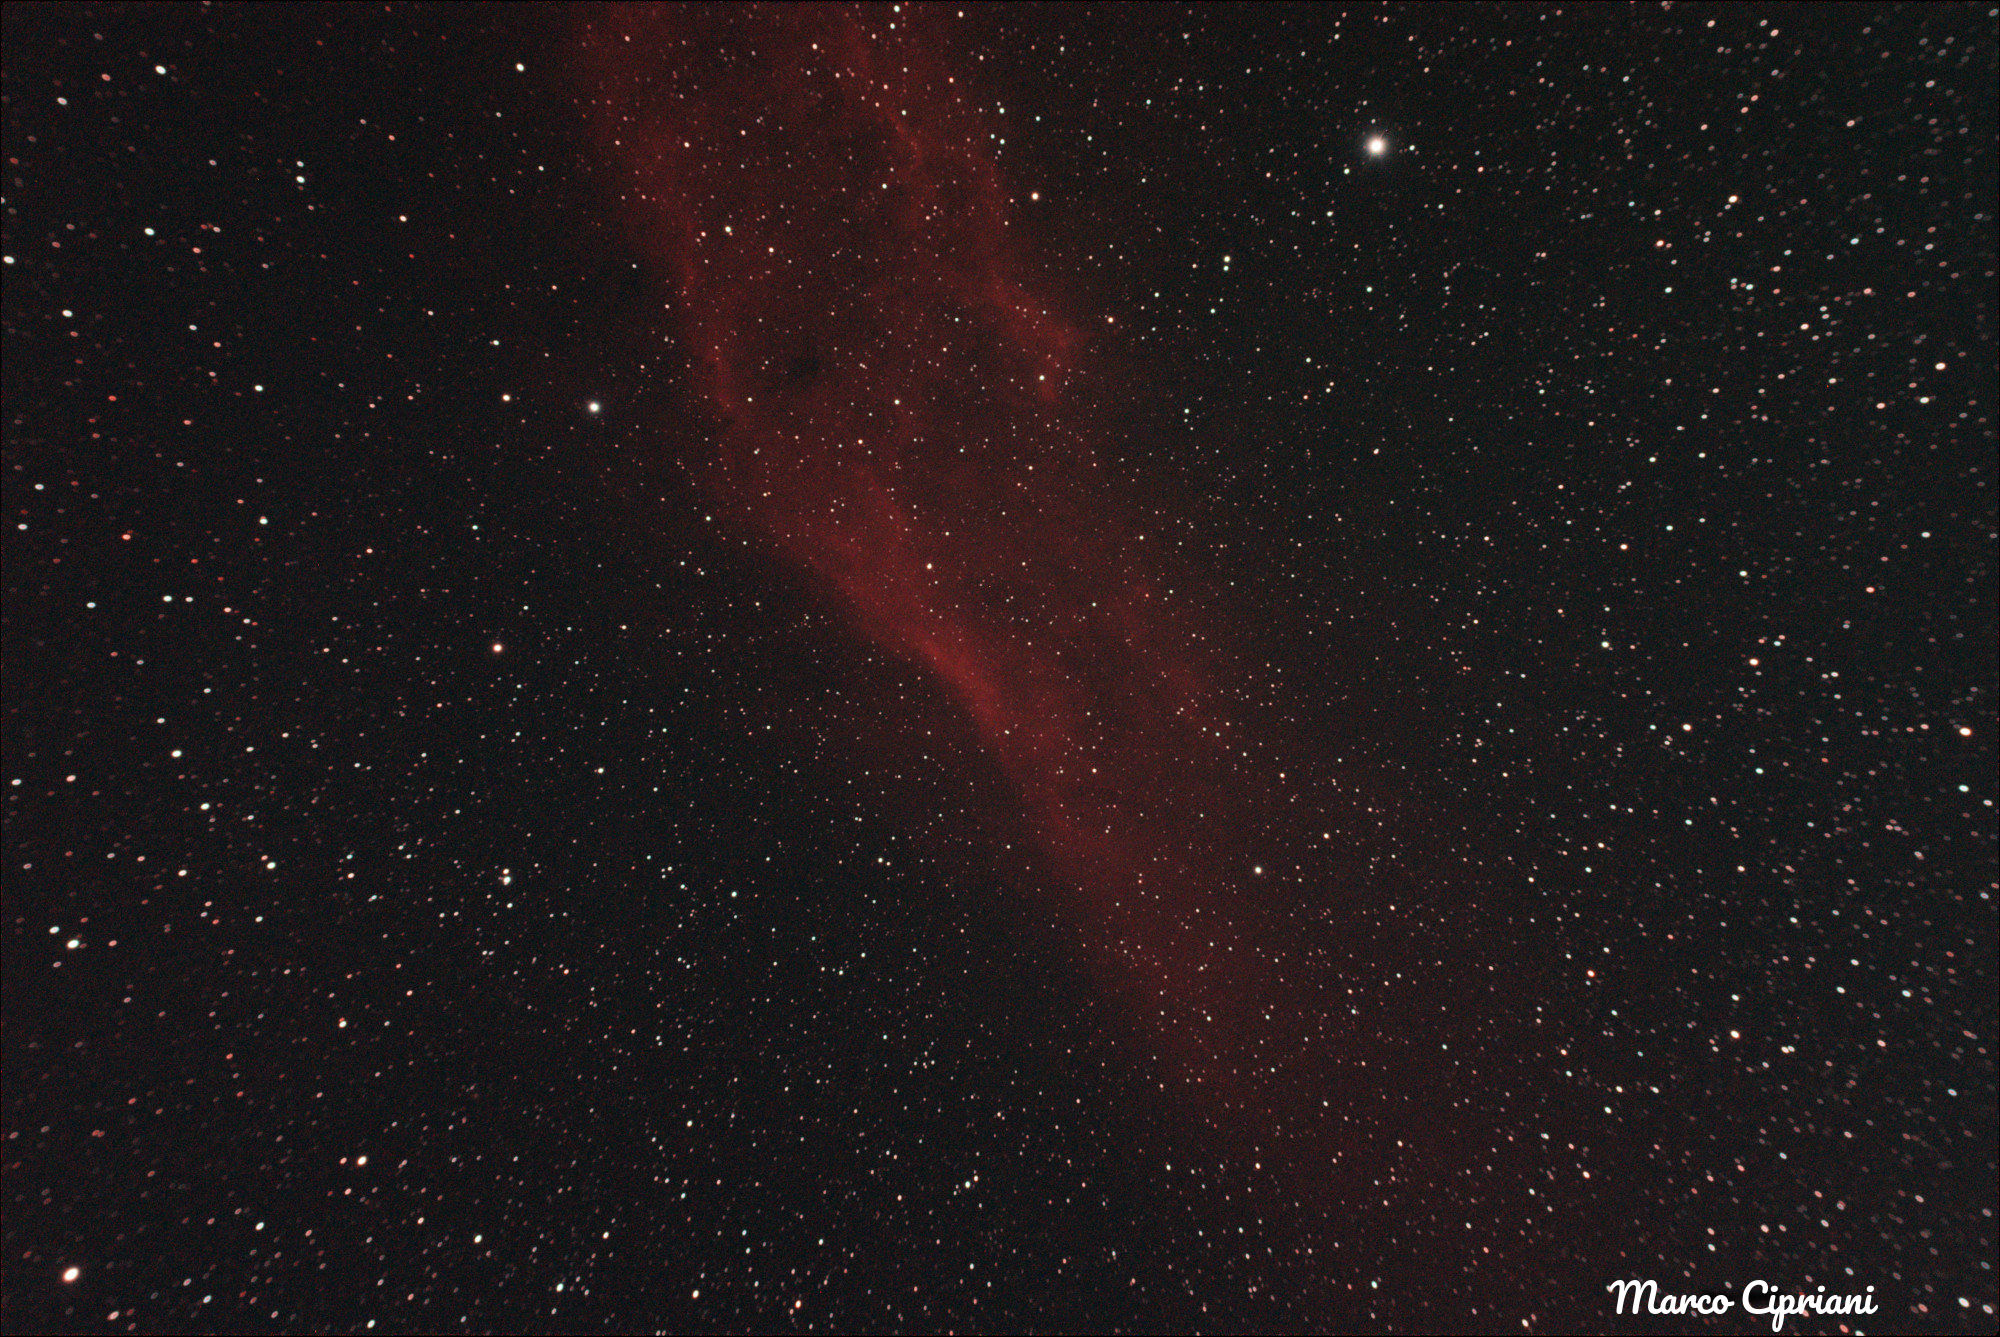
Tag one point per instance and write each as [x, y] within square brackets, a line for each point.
[895, 412]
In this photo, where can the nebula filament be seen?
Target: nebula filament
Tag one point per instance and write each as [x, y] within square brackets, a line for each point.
[893, 394]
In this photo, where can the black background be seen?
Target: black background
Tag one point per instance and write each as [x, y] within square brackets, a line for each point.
[683, 963]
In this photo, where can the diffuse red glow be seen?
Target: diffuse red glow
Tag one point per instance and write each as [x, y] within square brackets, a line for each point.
[894, 411]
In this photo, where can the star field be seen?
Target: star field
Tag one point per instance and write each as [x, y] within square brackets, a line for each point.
[1031, 668]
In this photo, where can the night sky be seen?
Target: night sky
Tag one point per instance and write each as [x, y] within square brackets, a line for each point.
[1037, 667]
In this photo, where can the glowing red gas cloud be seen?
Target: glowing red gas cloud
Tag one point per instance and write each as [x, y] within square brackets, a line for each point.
[895, 410]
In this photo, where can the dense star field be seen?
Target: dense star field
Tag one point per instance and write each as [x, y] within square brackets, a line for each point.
[1050, 668]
